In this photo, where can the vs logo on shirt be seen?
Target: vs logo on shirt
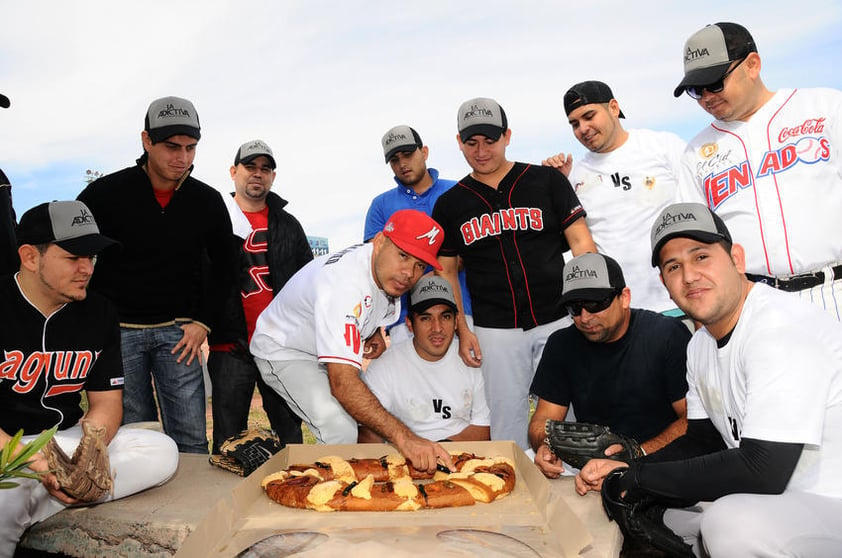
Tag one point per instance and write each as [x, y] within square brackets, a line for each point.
[623, 182]
[440, 408]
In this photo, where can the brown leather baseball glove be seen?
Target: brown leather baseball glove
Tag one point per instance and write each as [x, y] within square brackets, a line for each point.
[87, 475]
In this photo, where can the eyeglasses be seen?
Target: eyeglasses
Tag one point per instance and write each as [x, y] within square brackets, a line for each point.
[575, 307]
[696, 91]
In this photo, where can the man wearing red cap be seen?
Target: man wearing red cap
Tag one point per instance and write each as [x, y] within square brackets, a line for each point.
[310, 342]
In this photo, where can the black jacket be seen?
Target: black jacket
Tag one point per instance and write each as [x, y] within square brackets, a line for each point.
[175, 262]
[288, 251]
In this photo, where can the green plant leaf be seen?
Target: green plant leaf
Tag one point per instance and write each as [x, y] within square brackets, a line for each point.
[17, 466]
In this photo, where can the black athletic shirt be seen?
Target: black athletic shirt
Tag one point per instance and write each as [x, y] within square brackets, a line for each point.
[511, 239]
[628, 385]
[47, 362]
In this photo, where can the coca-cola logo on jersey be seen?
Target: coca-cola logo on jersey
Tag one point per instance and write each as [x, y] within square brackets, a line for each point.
[809, 126]
[64, 371]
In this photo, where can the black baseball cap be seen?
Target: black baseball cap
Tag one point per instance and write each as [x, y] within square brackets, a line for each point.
[686, 220]
[4, 101]
[586, 93]
[68, 224]
[709, 52]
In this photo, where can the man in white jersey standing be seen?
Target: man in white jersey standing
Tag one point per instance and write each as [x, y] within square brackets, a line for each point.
[759, 464]
[310, 341]
[623, 181]
[768, 165]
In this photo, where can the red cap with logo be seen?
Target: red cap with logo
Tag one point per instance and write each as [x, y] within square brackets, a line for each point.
[416, 233]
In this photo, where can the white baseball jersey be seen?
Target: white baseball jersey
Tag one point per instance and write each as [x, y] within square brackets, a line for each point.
[775, 180]
[326, 311]
[436, 400]
[776, 380]
[623, 191]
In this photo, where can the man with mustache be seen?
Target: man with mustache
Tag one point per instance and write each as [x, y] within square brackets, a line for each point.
[617, 366]
[310, 342]
[768, 165]
[272, 246]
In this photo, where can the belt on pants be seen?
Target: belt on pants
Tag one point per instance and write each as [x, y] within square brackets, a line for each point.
[796, 282]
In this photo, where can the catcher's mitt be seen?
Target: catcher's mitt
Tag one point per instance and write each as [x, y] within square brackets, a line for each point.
[576, 443]
[642, 520]
[246, 451]
[87, 475]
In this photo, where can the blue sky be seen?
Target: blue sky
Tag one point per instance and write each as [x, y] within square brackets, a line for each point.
[322, 81]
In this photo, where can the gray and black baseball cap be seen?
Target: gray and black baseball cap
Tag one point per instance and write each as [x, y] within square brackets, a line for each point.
[253, 149]
[69, 224]
[4, 101]
[686, 220]
[709, 52]
[429, 291]
[591, 277]
[401, 139]
[587, 93]
[481, 116]
[171, 116]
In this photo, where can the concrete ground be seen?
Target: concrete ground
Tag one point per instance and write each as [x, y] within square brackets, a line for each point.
[151, 524]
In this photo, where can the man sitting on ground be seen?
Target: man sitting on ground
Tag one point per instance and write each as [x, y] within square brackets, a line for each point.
[423, 381]
[617, 366]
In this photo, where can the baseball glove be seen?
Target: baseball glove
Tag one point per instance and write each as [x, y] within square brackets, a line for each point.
[576, 443]
[641, 520]
[246, 451]
[87, 475]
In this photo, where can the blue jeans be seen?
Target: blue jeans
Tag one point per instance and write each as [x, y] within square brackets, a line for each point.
[233, 375]
[180, 388]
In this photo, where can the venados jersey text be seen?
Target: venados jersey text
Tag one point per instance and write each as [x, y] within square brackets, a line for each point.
[719, 187]
[493, 224]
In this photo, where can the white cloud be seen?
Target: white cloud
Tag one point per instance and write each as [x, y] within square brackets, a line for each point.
[321, 81]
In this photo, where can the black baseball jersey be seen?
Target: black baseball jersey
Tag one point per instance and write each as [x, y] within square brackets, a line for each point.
[48, 361]
[628, 385]
[511, 239]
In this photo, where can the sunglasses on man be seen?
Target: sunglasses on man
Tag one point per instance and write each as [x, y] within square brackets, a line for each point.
[696, 91]
[575, 307]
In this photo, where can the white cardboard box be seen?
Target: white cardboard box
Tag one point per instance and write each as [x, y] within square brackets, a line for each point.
[530, 521]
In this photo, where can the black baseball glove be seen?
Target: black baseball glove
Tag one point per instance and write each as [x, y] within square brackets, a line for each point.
[246, 451]
[576, 443]
[641, 517]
